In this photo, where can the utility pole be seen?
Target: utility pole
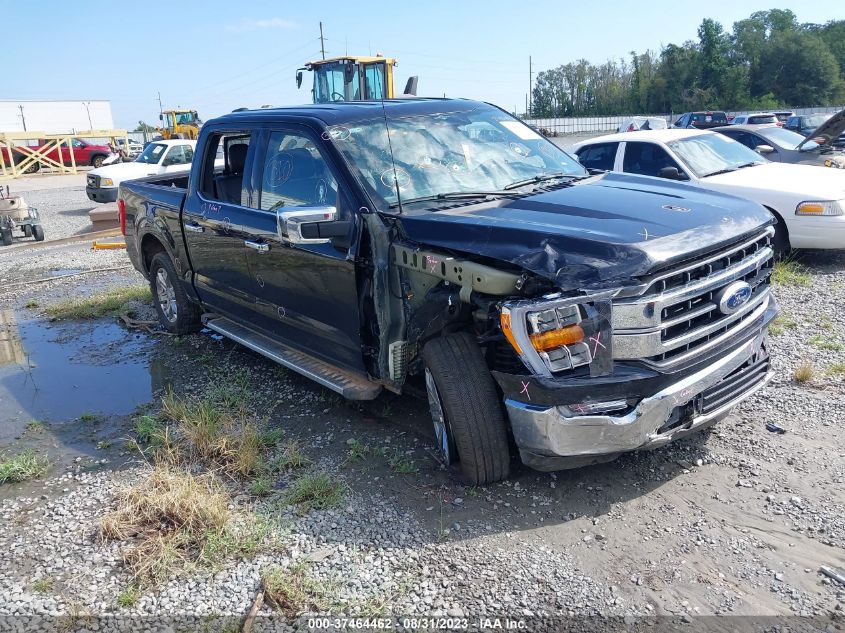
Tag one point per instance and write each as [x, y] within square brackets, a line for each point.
[23, 120]
[87, 105]
[322, 43]
[530, 84]
[160, 109]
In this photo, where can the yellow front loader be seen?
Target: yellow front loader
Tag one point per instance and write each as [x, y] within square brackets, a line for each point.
[354, 78]
[179, 124]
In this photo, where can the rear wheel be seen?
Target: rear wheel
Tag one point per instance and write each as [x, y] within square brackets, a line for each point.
[465, 407]
[177, 313]
[27, 230]
[38, 232]
[6, 237]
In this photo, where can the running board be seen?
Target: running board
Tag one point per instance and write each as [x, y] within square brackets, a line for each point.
[346, 383]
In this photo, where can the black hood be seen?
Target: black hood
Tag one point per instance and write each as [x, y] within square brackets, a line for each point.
[596, 232]
[830, 130]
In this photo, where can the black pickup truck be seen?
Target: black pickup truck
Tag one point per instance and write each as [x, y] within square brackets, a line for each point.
[444, 244]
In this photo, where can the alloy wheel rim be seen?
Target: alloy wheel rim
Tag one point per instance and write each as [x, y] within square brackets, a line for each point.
[166, 296]
[438, 417]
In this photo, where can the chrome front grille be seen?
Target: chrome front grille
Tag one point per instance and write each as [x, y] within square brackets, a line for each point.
[674, 316]
[93, 181]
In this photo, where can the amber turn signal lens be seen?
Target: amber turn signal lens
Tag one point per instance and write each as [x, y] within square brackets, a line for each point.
[505, 320]
[556, 338]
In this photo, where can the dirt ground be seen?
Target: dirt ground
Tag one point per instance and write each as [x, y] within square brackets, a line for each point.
[735, 520]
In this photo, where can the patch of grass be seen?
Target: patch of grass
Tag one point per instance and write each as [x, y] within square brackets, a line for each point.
[31, 304]
[261, 487]
[34, 426]
[174, 512]
[242, 539]
[788, 272]
[148, 428]
[22, 467]
[825, 342]
[837, 369]
[293, 590]
[780, 324]
[112, 302]
[805, 373]
[271, 437]
[402, 464]
[89, 418]
[103, 445]
[211, 433]
[825, 323]
[205, 359]
[290, 458]
[128, 596]
[43, 585]
[314, 491]
[358, 451]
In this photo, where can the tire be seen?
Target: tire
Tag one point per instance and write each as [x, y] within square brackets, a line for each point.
[33, 169]
[780, 241]
[474, 421]
[38, 232]
[27, 230]
[6, 237]
[97, 161]
[176, 312]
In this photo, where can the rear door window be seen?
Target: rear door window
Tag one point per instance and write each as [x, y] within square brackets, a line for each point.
[224, 180]
[599, 156]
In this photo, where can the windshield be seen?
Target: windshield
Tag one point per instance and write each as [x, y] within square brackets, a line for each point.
[706, 154]
[786, 139]
[816, 120]
[151, 154]
[330, 83]
[448, 153]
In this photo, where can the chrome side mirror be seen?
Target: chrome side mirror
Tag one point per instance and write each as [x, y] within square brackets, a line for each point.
[764, 149]
[290, 223]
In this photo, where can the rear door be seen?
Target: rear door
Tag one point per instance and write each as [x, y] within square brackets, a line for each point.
[214, 221]
[598, 156]
[177, 159]
[306, 293]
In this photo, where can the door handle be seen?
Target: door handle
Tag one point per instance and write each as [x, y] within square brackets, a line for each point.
[261, 247]
[193, 227]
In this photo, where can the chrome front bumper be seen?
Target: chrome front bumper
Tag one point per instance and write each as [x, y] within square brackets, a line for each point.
[550, 440]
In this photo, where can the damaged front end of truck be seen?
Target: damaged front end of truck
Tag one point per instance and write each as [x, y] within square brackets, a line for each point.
[614, 312]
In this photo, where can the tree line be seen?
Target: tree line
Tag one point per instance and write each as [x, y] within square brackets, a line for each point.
[766, 61]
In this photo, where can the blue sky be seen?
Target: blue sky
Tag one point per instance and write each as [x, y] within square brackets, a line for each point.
[217, 55]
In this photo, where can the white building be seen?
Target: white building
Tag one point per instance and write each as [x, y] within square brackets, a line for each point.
[55, 117]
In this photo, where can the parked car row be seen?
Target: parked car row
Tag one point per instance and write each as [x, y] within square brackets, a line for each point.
[807, 201]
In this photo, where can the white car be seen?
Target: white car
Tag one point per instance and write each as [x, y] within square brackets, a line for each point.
[756, 118]
[807, 201]
[159, 157]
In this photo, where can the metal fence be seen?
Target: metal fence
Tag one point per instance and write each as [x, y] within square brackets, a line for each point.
[577, 125]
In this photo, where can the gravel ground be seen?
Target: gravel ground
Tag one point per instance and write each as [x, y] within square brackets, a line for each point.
[731, 521]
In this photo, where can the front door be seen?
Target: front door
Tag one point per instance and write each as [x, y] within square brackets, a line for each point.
[214, 222]
[306, 294]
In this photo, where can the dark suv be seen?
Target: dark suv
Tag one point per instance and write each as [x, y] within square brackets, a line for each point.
[701, 120]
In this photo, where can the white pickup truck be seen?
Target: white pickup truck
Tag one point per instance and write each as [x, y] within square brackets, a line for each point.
[158, 158]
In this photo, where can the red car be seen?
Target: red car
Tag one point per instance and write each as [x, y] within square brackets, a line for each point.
[84, 153]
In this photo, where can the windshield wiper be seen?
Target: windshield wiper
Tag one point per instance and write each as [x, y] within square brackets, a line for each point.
[730, 169]
[454, 195]
[538, 179]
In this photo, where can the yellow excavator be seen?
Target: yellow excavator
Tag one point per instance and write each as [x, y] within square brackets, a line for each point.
[179, 124]
[354, 78]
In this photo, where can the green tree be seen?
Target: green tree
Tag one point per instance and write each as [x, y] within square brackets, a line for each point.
[800, 69]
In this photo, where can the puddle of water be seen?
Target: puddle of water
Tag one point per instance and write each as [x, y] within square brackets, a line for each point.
[64, 272]
[56, 372]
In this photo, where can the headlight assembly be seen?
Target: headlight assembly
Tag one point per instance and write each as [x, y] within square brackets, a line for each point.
[106, 182]
[554, 334]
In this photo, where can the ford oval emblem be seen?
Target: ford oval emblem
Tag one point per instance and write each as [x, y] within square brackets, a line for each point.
[734, 296]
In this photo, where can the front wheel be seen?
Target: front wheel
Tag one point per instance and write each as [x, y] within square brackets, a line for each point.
[6, 237]
[466, 410]
[38, 232]
[97, 161]
[177, 313]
